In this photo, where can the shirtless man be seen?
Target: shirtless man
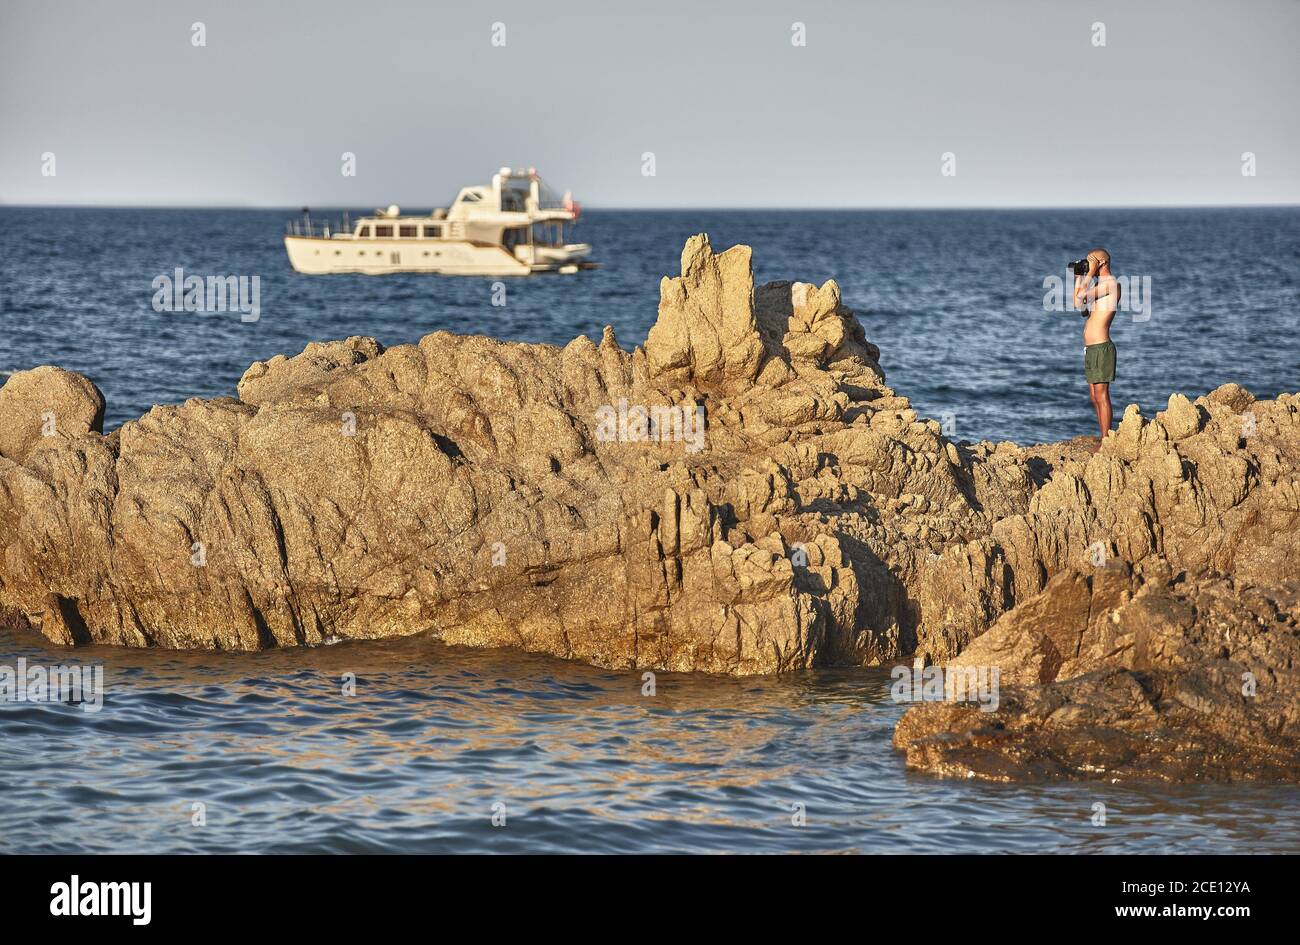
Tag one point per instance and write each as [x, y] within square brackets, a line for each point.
[1097, 304]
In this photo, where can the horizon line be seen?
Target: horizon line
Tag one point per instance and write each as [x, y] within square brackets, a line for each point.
[695, 208]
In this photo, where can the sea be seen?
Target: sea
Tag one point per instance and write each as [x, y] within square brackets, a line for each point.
[412, 746]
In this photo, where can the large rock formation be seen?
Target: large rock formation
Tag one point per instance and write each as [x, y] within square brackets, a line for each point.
[564, 500]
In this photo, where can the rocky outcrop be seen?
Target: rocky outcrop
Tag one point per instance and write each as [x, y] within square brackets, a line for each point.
[744, 494]
[1109, 676]
[1149, 602]
[1210, 486]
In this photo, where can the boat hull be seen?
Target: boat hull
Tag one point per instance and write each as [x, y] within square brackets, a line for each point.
[319, 255]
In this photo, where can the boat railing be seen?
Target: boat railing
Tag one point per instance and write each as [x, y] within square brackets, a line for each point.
[324, 229]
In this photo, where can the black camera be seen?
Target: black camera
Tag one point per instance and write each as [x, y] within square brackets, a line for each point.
[1079, 267]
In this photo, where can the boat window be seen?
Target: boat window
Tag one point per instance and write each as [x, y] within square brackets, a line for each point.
[406, 231]
[382, 231]
[364, 232]
[432, 232]
[548, 234]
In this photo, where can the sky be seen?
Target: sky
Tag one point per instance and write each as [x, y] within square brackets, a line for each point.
[1027, 107]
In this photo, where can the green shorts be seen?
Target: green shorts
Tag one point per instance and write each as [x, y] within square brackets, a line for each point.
[1099, 363]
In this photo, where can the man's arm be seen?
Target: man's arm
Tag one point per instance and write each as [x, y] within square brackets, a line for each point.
[1103, 288]
[1081, 294]
[1087, 294]
[1081, 284]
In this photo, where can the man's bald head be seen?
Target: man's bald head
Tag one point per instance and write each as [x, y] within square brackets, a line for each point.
[1099, 257]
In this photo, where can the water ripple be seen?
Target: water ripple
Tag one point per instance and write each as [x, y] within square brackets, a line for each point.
[438, 740]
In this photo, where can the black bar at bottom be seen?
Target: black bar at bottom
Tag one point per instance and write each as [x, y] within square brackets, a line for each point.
[336, 894]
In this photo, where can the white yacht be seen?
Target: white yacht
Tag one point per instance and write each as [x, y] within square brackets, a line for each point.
[514, 226]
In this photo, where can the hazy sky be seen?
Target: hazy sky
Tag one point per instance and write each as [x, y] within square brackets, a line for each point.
[735, 114]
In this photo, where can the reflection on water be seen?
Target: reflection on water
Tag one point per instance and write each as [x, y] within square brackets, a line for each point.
[283, 761]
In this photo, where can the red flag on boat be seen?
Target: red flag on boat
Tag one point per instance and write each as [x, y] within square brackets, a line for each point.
[572, 205]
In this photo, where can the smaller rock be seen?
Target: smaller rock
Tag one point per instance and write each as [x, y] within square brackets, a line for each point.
[277, 378]
[1232, 395]
[1182, 418]
[46, 405]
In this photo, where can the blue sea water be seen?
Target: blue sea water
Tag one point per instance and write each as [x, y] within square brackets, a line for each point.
[437, 740]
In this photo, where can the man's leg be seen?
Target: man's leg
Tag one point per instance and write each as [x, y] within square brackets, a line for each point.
[1101, 404]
